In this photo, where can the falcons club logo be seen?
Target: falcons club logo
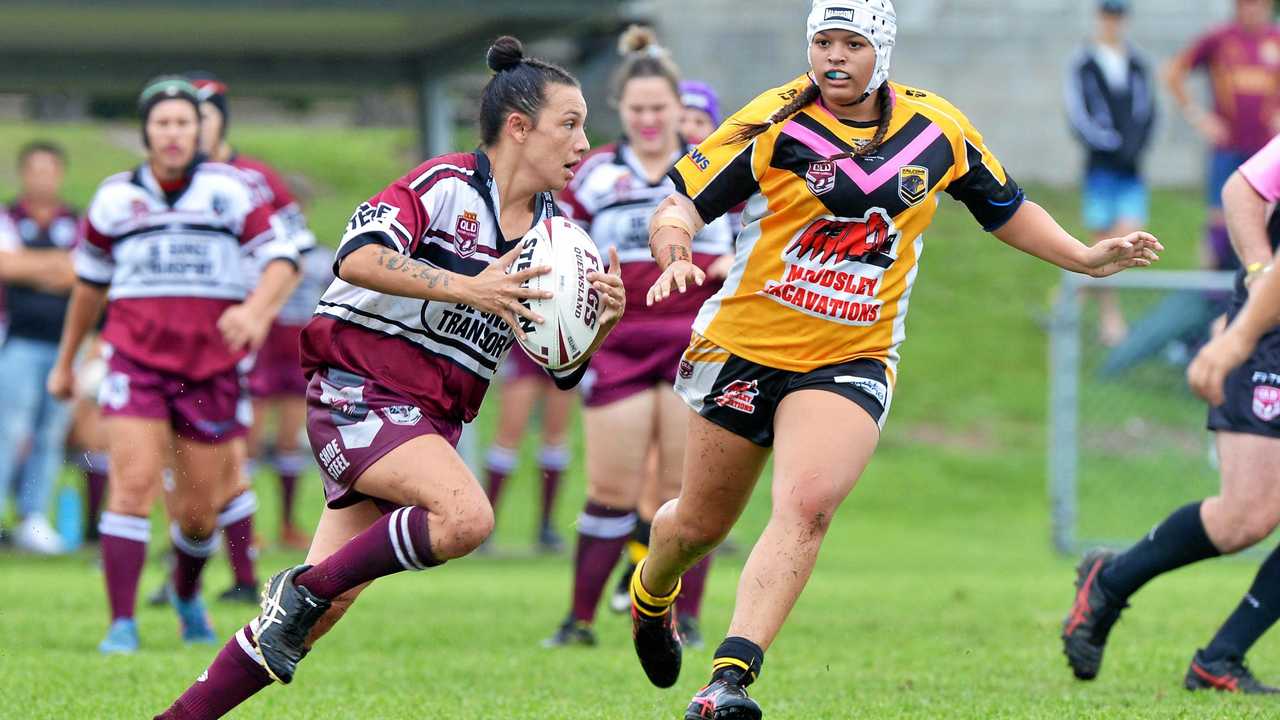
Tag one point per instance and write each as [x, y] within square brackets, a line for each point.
[740, 395]
[840, 240]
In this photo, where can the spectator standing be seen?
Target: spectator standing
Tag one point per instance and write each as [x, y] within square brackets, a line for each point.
[1111, 106]
[1242, 60]
[36, 236]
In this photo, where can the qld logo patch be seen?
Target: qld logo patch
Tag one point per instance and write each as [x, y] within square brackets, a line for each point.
[1266, 402]
[821, 177]
[466, 234]
[740, 395]
[913, 184]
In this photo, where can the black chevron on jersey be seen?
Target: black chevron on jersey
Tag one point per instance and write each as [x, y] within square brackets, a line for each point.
[846, 199]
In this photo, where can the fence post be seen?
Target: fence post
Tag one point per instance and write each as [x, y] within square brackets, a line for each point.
[1064, 415]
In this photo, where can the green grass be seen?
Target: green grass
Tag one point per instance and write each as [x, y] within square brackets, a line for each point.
[937, 594]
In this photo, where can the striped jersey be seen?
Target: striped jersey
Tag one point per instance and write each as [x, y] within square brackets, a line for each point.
[442, 355]
[315, 266]
[831, 242]
[613, 199]
[175, 260]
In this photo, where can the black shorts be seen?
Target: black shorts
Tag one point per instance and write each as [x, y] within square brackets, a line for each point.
[1252, 393]
[742, 397]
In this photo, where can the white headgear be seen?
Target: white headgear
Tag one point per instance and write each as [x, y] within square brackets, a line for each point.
[875, 20]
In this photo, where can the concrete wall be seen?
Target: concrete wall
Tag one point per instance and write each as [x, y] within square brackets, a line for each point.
[1001, 61]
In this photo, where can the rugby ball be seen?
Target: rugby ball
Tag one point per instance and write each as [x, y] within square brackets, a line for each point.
[572, 314]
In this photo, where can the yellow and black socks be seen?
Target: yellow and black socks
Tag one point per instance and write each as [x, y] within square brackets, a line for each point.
[738, 655]
[646, 602]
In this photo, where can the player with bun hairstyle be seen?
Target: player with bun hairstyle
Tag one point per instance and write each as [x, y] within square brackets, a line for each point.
[841, 170]
[630, 411]
[400, 353]
[164, 249]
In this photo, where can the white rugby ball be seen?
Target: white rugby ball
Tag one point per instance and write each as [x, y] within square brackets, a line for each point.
[572, 315]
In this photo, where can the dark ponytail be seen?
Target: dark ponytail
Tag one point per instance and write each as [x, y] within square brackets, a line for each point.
[519, 84]
[748, 131]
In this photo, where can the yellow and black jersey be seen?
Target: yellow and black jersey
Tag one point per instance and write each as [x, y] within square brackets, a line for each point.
[831, 241]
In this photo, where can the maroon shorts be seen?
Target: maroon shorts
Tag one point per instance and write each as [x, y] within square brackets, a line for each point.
[639, 354]
[213, 410]
[519, 366]
[277, 370]
[352, 422]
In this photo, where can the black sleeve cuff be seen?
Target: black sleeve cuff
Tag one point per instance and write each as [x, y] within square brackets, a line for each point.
[93, 283]
[359, 241]
[998, 214]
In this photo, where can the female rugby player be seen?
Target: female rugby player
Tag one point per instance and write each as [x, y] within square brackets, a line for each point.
[840, 170]
[399, 355]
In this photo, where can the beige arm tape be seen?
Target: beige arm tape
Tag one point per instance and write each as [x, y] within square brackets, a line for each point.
[675, 212]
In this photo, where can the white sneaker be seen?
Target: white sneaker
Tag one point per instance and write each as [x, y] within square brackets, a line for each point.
[36, 535]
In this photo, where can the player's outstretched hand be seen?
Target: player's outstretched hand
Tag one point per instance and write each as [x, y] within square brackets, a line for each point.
[613, 296]
[678, 276]
[497, 292]
[1208, 371]
[1110, 256]
[61, 381]
[243, 328]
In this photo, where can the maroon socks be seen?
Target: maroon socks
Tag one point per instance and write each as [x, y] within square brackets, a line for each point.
[602, 533]
[397, 541]
[124, 550]
[234, 677]
[236, 521]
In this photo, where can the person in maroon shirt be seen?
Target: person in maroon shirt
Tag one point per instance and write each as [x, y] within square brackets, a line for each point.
[1242, 60]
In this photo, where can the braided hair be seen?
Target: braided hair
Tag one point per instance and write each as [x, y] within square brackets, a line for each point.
[749, 131]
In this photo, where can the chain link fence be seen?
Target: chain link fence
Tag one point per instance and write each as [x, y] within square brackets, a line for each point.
[1127, 439]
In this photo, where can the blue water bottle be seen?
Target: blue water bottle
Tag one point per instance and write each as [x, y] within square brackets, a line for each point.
[70, 518]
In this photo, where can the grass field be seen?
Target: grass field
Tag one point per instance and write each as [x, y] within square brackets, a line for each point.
[937, 594]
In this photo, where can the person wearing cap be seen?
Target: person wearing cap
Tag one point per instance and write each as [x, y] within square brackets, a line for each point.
[1111, 107]
[700, 118]
[1241, 60]
[701, 114]
[273, 374]
[841, 170]
[163, 253]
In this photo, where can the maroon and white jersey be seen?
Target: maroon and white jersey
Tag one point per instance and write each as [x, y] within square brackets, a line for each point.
[440, 354]
[288, 220]
[611, 197]
[174, 261]
[316, 269]
[273, 191]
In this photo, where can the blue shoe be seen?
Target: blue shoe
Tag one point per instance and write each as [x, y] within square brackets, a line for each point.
[195, 621]
[121, 639]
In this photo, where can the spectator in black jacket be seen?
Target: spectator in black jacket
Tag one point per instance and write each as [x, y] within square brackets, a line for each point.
[1111, 105]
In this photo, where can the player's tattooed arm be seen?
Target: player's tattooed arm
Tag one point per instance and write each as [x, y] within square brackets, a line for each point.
[384, 270]
[413, 268]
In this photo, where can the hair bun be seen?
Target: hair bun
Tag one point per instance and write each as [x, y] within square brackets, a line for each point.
[638, 38]
[505, 53]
